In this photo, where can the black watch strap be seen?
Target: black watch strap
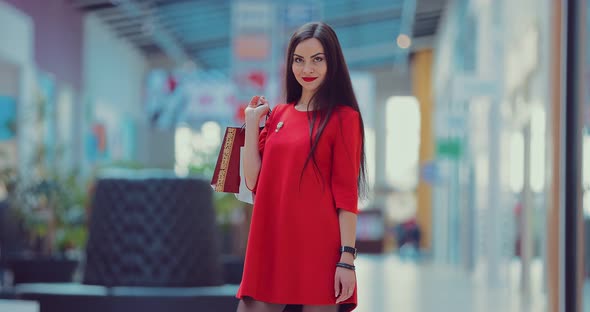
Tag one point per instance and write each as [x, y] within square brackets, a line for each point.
[348, 249]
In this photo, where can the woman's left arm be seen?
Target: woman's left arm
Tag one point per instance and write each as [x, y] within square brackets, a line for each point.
[345, 172]
[346, 166]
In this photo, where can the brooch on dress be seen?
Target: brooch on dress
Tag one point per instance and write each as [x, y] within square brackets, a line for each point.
[279, 126]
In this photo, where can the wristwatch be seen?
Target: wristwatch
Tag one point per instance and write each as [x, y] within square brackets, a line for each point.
[349, 249]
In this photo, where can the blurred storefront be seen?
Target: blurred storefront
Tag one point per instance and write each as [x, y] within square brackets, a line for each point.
[500, 91]
[493, 93]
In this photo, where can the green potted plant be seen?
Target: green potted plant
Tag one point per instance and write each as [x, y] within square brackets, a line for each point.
[52, 209]
[49, 202]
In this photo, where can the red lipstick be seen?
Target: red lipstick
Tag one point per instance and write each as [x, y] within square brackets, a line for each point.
[309, 79]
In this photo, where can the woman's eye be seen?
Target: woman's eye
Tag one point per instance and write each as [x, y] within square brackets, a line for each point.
[298, 60]
[318, 59]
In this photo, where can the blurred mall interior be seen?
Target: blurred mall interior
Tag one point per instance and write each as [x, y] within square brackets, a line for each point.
[112, 115]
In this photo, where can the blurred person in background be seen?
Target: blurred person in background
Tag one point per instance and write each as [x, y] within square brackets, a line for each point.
[307, 169]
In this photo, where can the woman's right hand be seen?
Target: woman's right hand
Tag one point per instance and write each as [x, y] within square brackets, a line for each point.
[257, 108]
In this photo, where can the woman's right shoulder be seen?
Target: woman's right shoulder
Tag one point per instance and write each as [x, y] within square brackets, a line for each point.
[281, 106]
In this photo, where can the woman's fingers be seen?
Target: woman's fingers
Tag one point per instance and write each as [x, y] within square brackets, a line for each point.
[344, 284]
[336, 286]
[346, 293]
[342, 297]
[254, 101]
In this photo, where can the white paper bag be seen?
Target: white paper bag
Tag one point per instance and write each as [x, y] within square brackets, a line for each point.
[245, 195]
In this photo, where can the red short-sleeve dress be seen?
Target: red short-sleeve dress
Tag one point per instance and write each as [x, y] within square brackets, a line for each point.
[294, 239]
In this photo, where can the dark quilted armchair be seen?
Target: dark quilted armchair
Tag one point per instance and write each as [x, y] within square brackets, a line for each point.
[157, 232]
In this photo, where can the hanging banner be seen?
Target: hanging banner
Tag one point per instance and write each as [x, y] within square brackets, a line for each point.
[251, 53]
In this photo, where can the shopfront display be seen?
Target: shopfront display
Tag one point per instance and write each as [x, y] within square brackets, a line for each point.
[492, 94]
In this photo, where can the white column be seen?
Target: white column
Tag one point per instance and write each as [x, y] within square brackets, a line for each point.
[381, 185]
[494, 198]
[526, 230]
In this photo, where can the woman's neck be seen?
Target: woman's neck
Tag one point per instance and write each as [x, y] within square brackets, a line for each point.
[303, 106]
[304, 101]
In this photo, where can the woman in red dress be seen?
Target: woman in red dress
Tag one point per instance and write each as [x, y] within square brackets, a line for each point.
[306, 168]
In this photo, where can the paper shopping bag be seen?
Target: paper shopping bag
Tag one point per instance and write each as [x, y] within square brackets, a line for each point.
[226, 176]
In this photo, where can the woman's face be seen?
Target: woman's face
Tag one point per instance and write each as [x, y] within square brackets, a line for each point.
[309, 64]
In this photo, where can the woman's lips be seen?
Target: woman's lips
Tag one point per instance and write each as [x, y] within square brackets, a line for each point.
[309, 79]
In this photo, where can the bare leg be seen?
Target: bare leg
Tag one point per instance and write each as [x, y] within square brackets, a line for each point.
[250, 305]
[321, 308]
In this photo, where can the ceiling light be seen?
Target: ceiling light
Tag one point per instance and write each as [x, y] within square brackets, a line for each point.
[403, 41]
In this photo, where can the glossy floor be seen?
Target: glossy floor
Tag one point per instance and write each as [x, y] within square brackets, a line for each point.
[388, 283]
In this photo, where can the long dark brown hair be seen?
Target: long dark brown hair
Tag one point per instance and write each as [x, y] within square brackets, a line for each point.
[335, 90]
